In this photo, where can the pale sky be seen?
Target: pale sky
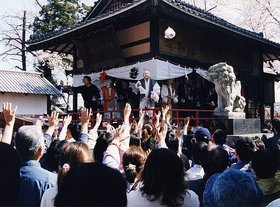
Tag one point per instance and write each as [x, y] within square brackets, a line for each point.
[10, 7]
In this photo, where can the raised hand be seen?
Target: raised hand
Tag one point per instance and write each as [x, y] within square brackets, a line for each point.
[9, 114]
[85, 118]
[161, 134]
[98, 119]
[53, 119]
[126, 113]
[67, 120]
[164, 111]
[157, 119]
[186, 125]
[9, 117]
[40, 122]
[122, 132]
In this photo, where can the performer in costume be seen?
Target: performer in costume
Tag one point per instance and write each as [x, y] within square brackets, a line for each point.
[149, 91]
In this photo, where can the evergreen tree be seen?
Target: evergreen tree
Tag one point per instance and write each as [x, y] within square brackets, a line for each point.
[54, 16]
[57, 15]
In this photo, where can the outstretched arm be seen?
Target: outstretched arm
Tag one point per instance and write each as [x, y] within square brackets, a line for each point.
[93, 133]
[85, 118]
[66, 121]
[9, 117]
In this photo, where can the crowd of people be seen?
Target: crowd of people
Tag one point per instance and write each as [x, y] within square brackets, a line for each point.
[112, 94]
[143, 163]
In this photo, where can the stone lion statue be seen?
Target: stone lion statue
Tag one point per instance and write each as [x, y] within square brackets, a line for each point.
[227, 87]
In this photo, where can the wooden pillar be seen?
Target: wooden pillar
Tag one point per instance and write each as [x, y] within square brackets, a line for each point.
[154, 28]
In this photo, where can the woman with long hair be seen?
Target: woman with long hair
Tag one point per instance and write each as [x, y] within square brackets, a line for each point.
[162, 182]
[71, 154]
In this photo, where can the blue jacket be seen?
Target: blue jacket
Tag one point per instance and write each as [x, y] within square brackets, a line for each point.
[34, 180]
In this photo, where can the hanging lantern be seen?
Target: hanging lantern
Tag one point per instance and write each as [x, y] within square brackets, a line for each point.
[169, 33]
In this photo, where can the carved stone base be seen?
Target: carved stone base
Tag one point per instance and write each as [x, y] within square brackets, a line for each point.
[230, 115]
[239, 126]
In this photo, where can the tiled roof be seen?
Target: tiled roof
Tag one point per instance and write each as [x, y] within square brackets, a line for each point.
[49, 35]
[178, 4]
[209, 17]
[25, 83]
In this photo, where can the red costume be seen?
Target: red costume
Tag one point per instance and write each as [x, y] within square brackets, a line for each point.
[108, 97]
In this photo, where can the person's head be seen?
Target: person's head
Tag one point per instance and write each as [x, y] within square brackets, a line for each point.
[101, 145]
[202, 134]
[163, 177]
[72, 154]
[276, 125]
[87, 80]
[30, 143]
[9, 175]
[170, 81]
[92, 184]
[264, 164]
[51, 157]
[220, 137]
[245, 148]
[258, 142]
[146, 74]
[72, 131]
[216, 160]
[133, 162]
[135, 140]
[172, 141]
[232, 188]
[199, 152]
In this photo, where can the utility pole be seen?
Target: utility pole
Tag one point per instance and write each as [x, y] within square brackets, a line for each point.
[23, 46]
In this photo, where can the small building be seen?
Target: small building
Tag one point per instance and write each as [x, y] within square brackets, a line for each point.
[118, 33]
[29, 91]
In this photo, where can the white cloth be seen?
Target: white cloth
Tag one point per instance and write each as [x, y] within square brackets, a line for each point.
[48, 197]
[164, 94]
[135, 199]
[194, 173]
[112, 157]
[275, 203]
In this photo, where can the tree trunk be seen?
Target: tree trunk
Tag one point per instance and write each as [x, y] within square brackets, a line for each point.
[23, 46]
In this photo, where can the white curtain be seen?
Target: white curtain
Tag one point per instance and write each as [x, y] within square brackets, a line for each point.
[160, 70]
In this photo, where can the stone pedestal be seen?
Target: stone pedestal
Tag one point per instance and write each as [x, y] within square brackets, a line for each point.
[238, 126]
[230, 115]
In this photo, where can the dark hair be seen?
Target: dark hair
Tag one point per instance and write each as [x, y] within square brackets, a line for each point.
[88, 78]
[199, 152]
[245, 148]
[51, 157]
[172, 141]
[92, 184]
[265, 164]
[217, 160]
[258, 142]
[74, 129]
[9, 175]
[135, 140]
[101, 145]
[133, 162]
[163, 178]
[267, 127]
[276, 125]
[220, 137]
